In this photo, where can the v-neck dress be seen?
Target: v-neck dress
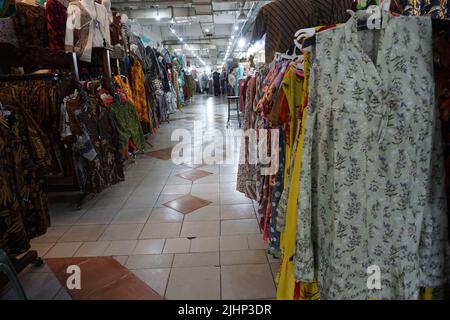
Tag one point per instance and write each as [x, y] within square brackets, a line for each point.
[371, 193]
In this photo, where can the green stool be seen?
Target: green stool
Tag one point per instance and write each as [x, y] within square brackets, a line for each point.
[236, 99]
[8, 269]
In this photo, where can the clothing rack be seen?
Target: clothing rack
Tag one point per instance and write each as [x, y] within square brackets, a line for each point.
[11, 57]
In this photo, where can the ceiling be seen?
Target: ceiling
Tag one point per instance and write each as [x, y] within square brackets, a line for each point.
[206, 31]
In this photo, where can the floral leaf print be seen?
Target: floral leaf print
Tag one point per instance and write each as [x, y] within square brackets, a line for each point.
[400, 165]
[340, 161]
[371, 178]
[353, 206]
[353, 172]
[353, 135]
[358, 92]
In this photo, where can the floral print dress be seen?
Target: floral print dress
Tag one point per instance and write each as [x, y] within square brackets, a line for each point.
[372, 182]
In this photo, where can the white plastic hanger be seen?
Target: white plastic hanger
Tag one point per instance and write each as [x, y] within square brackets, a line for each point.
[280, 56]
[301, 35]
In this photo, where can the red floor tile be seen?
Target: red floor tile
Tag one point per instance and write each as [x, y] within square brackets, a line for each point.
[163, 154]
[193, 174]
[102, 278]
[186, 204]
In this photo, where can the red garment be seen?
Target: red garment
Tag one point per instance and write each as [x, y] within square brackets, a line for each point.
[56, 16]
[242, 90]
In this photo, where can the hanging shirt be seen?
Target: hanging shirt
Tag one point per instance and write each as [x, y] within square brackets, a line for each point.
[56, 18]
[280, 19]
[137, 84]
[371, 181]
[30, 25]
[84, 32]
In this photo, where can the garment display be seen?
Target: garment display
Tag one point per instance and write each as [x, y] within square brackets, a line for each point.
[106, 168]
[361, 176]
[30, 25]
[56, 17]
[7, 32]
[23, 197]
[138, 88]
[91, 23]
[71, 137]
[339, 188]
[42, 99]
[280, 19]
[128, 126]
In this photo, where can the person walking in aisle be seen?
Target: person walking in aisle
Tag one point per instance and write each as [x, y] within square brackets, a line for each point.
[205, 82]
[232, 82]
[223, 82]
[216, 80]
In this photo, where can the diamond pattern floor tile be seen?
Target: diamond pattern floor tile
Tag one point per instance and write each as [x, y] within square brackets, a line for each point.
[162, 154]
[186, 204]
[193, 174]
[103, 278]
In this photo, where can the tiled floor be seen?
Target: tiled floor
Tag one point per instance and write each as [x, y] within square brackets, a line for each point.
[188, 248]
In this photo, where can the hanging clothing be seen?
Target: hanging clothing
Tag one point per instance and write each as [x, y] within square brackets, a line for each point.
[286, 216]
[124, 84]
[91, 32]
[107, 167]
[138, 89]
[176, 87]
[247, 176]
[23, 198]
[56, 18]
[280, 19]
[374, 121]
[216, 80]
[7, 32]
[128, 125]
[80, 42]
[30, 25]
[441, 54]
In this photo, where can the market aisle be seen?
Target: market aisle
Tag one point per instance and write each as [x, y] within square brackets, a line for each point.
[214, 252]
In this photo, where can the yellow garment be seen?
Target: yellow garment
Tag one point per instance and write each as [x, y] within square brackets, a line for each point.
[123, 83]
[286, 277]
[138, 88]
[292, 86]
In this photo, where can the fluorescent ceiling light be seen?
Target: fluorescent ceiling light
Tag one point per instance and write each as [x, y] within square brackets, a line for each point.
[232, 37]
[241, 42]
[206, 30]
[236, 28]
[181, 39]
[173, 31]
